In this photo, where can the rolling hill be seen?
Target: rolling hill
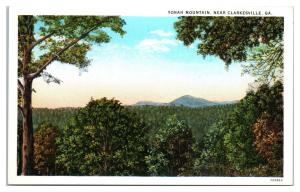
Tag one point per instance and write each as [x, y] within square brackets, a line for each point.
[187, 101]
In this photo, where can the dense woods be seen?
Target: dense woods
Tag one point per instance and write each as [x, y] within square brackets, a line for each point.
[199, 119]
[249, 139]
[106, 138]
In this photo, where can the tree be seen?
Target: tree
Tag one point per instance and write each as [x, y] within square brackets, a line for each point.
[257, 40]
[171, 149]
[211, 157]
[19, 146]
[228, 37]
[239, 138]
[45, 39]
[45, 149]
[268, 141]
[268, 128]
[250, 140]
[105, 139]
[266, 62]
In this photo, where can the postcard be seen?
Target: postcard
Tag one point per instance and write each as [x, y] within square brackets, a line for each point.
[199, 96]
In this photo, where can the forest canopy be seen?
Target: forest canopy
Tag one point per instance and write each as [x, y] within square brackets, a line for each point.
[247, 140]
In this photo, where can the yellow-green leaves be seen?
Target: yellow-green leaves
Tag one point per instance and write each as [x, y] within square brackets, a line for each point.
[104, 139]
[61, 38]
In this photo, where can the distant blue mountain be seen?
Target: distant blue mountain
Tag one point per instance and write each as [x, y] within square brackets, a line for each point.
[187, 101]
[143, 103]
[190, 101]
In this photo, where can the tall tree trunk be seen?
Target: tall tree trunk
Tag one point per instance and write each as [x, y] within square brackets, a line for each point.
[27, 147]
[19, 148]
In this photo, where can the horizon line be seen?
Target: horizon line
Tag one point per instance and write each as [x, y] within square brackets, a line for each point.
[133, 104]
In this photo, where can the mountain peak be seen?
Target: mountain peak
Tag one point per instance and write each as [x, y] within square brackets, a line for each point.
[187, 96]
[190, 101]
[187, 101]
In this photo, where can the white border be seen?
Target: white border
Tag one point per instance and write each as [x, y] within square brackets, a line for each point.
[150, 10]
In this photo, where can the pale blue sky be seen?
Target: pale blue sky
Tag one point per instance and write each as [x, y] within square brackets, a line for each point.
[147, 64]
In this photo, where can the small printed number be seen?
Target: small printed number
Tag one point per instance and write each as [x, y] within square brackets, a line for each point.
[277, 180]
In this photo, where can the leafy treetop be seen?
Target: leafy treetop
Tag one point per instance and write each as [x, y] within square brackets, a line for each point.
[228, 37]
[61, 38]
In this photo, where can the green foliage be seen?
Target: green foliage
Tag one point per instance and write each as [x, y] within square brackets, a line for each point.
[171, 149]
[266, 62]
[45, 149]
[228, 37]
[58, 117]
[157, 163]
[225, 145]
[74, 26]
[238, 140]
[104, 138]
[155, 117]
[198, 119]
[45, 39]
[67, 38]
[271, 100]
[228, 147]
[211, 153]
